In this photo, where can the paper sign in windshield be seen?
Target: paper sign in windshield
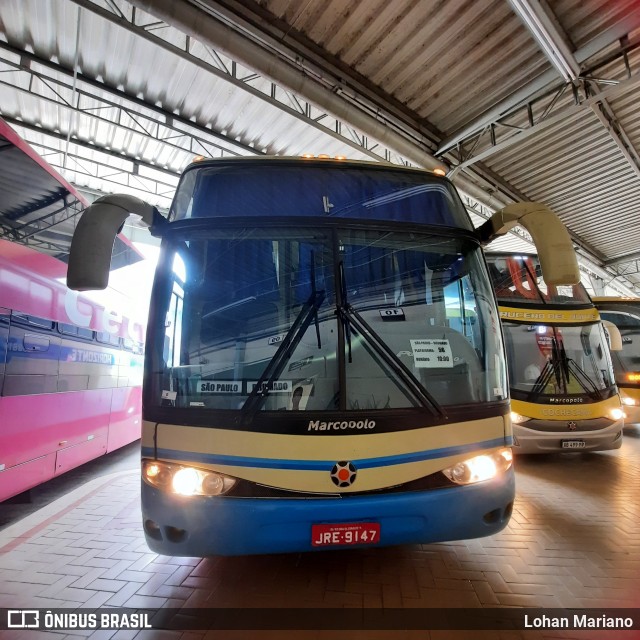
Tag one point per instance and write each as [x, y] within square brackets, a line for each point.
[277, 386]
[220, 386]
[428, 354]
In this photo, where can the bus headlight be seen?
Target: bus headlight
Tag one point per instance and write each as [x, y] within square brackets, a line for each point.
[185, 481]
[616, 414]
[480, 468]
[630, 402]
[518, 419]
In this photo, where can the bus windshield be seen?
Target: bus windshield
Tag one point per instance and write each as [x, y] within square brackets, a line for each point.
[518, 279]
[557, 361]
[323, 319]
[627, 361]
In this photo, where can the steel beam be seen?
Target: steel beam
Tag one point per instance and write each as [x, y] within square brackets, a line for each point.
[568, 114]
[630, 257]
[277, 96]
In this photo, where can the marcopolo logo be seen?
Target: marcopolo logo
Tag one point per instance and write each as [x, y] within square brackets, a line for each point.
[340, 425]
[343, 474]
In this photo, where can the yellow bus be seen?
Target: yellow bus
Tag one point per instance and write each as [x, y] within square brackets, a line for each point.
[563, 391]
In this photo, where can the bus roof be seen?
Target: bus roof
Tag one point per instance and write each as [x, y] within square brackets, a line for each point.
[321, 159]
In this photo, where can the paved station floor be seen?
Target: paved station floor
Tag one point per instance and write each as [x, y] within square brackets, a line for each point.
[573, 542]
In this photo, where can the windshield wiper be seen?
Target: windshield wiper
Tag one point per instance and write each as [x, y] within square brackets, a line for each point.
[276, 365]
[555, 366]
[542, 381]
[580, 375]
[534, 281]
[350, 317]
[583, 379]
[563, 367]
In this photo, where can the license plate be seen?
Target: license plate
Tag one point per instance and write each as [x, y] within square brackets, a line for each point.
[573, 444]
[324, 535]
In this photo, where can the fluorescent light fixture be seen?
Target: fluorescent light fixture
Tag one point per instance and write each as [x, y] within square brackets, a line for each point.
[548, 37]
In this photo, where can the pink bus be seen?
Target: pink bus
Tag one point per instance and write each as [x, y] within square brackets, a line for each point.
[70, 364]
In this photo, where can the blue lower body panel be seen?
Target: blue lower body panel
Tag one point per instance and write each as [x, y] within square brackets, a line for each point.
[205, 526]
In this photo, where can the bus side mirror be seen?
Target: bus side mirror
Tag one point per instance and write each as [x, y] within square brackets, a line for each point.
[553, 242]
[613, 333]
[93, 238]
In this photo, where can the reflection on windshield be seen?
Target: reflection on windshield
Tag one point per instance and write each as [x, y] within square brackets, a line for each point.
[557, 361]
[375, 344]
[292, 338]
[518, 279]
[319, 320]
[626, 363]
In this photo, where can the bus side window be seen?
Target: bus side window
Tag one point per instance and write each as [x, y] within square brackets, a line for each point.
[87, 334]
[31, 321]
[34, 350]
[67, 329]
[108, 338]
[4, 339]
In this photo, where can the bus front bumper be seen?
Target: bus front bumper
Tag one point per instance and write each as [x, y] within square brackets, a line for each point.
[527, 440]
[200, 526]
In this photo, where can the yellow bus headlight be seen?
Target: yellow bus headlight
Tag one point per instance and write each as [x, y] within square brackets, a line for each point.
[616, 414]
[630, 402]
[518, 419]
[184, 480]
[480, 468]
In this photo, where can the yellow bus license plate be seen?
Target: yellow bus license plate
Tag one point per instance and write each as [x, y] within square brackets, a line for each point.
[573, 444]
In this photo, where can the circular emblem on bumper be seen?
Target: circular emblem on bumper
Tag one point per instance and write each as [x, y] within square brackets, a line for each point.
[572, 426]
[343, 474]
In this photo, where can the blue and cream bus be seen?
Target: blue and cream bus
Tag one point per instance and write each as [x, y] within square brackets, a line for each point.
[324, 358]
[563, 391]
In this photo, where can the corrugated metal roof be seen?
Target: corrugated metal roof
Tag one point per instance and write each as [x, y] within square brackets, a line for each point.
[440, 64]
[577, 170]
[119, 58]
[583, 20]
[447, 61]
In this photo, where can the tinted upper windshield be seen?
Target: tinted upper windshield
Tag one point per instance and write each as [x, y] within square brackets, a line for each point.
[552, 361]
[518, 279]
[308, 188]
[369, 320]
